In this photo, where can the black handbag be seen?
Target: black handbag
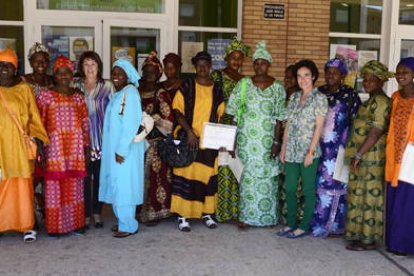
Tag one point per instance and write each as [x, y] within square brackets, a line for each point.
[176, 156]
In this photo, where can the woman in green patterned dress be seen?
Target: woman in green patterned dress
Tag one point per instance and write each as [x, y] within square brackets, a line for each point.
[228, 187]
[258, 140]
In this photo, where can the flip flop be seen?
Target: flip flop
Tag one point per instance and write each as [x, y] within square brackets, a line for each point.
[292, 235]
[283, 232]
[29, 236]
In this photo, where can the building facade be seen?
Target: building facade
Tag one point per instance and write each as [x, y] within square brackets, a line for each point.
[293, 29]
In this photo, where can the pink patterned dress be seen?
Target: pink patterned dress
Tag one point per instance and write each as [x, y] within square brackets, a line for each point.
[65, 118]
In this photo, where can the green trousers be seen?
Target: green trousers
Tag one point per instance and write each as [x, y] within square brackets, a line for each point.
[308, 174]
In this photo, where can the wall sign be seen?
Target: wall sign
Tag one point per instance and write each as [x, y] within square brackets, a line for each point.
[274, 11]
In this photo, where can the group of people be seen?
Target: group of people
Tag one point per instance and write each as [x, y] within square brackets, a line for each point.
[293, 138]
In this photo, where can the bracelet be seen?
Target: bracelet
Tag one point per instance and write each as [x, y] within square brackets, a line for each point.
[311, 152]
[357, 156]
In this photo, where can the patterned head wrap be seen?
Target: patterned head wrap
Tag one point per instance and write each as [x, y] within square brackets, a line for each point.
[407, 62]
[152, 59]
[378, 69]
[237, 45]
[203, 55]
[337, 63]
[261, 52]
[172, 58]
[10, 56]
[62, 61]
[129, 69]
[37, 48]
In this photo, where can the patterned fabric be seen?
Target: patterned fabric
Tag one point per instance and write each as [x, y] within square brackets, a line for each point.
[228, 187]
[330, 210]
[337, 63]
[36, 88]
[301, 124]
[237, 45]
[37, 48]
[10, 56]
[258, 185]
[66, 121]
[64, 205]
[96, 101]
[194, 188]
[378, 69]
[262, 53]
[157, 184]
[400, 133]
[152, 59]
[365, 202]
[62, 61]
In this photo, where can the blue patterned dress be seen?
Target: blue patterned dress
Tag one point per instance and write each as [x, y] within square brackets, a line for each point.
[330, 211]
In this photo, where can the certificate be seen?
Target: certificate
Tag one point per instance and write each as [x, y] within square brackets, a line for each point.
[341, 172]
[216, 136]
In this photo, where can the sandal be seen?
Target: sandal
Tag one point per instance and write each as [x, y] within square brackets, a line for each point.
[293, 235]
[123, 234]
[355, 246]
[29, 236]
[284, 231]
[209, 222]
[183, 224]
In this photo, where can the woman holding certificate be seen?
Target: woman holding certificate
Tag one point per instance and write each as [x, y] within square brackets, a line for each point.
[258, 103]
[400, 190]
[366, 151]
[194, 188]
[228, 187]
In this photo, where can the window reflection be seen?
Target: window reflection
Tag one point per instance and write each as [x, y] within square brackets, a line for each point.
[406, 12]
[356, 16]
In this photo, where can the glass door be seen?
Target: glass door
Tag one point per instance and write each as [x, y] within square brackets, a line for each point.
[123, 39]
[403, 47]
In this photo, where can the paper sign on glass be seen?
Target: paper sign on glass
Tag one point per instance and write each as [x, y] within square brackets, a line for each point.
[216, 136]
[407, 165]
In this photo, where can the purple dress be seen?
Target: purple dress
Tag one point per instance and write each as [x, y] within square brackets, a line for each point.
[330, 212]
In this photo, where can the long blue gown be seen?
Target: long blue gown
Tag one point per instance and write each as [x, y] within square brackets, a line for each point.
[122, 185]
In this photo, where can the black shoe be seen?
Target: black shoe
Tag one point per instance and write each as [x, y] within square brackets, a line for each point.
[99, 224]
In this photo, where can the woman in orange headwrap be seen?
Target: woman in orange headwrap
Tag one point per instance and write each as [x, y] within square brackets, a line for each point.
[65, 115]
[16, 188]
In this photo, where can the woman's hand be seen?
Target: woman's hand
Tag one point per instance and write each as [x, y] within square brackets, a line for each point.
[276, 148]
[354, 165]
[282, 155]
[192, 140]
[308, 160]
[119, 159]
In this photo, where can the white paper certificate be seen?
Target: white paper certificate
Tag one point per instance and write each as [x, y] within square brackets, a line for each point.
[217, 136]
[341, 172]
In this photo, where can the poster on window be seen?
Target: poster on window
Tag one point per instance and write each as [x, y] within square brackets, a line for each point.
[188, 51]
[57, 45]
[217, 49]
[7, 43]
[78, 45]
[365, 56]
[349, 55]
[119, 52]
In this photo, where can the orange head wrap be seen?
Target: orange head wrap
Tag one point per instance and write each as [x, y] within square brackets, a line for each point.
[10, 56]
[62, 61]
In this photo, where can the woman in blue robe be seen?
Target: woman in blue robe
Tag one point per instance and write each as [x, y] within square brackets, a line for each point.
[122, 168]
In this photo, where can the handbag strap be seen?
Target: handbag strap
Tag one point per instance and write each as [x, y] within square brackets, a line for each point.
[12, 114]
[242, 105]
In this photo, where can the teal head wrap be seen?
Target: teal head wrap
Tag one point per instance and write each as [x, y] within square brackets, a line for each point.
[262, 53]
[129, 69]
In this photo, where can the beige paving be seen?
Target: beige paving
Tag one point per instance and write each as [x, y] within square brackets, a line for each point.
[163, 250]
